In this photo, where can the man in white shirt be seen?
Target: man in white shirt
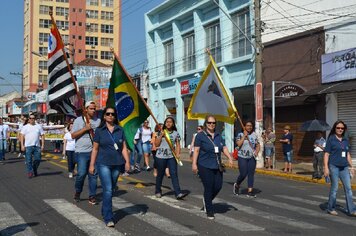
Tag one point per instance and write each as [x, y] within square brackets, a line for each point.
[32, 143]
[4, 135]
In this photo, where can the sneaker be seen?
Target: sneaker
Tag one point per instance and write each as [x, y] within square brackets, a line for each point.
[137, 168]
[148, 168]
[210, 215]
[110, 224]
[125, 173]
[236, 189]
[35, 172]
[30, 175]
[18, 156]
[70, 175]
[181, 196]
[333, 212]
[92, 201]
[353, 214]
[251, 195]
[158, 195]
[77, 197]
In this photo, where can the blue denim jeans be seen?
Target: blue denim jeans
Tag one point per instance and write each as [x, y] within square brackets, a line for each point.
[146, 147]
[173, 171]
[344, 175]
[2, 149]
[108, 177]
[288, 156]
[139, 151]
[70, 160]
[32, 165]
[83, 161]
[247, 167]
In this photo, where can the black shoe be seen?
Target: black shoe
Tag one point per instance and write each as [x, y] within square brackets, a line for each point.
[251, 195]
[236, 189]
[77, 197]
[181, 196]
[92, 200]
[210, 215]
[35, 173]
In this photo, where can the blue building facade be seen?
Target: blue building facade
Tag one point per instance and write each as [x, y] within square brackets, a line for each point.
[178, 32]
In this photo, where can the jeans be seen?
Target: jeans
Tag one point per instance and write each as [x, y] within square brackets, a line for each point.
[344, 174]
[288, 156]
[139, 151]
[247, 168]
[318, 164]
[212, 180]
[83, 161]
[108, 177]
[12, 143]
[2, 149]
[70, 160]
[161, 168]
[34, 151]
[146, 147]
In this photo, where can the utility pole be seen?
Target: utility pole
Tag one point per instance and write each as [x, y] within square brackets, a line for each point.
[20, 74]
[258, 83]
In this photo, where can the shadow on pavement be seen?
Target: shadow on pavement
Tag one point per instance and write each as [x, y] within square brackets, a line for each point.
[135, 209]
[14, 230]
[223, 207]
[50, 173]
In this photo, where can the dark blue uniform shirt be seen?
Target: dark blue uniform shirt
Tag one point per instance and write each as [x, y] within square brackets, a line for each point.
[335, 148]
[107, 154]
[287, 147]
[207, 156]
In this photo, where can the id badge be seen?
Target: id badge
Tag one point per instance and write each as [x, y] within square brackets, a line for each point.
[116, 147]
[343, 154]
[216, 149]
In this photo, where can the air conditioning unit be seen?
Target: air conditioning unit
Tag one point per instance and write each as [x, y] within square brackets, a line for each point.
[39, 70]
[92, 46]
[63, 28]
[40, 42]
[88, 25]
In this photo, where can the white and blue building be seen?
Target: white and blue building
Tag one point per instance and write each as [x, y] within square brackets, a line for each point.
[177, 34]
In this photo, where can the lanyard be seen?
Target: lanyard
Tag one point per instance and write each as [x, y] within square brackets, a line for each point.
[111, 136]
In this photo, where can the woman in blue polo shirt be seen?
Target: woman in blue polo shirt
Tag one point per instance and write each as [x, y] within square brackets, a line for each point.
[337, 160]
[208, 146]
[110, 157]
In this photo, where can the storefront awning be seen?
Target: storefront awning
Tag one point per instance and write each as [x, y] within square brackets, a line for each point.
[332, 88]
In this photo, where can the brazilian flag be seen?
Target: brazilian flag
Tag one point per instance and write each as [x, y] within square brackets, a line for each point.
[129, 104]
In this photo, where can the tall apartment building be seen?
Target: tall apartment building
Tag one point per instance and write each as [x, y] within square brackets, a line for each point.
[89, 28]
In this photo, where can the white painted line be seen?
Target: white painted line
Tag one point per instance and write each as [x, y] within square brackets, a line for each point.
[221, 219]
[80, 218]
[266, 215]
[168, 226]
[301, 200]
[326, 198]
[11, 223]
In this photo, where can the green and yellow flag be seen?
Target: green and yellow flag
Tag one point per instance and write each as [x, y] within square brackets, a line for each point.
[130, 106]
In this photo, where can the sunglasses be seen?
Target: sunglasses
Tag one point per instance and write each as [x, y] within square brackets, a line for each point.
[110, 113]
[211, 123]
[31, 118]
[342, 128]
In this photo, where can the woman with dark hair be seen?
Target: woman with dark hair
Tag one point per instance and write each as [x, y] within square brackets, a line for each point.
[156, 132]
[337, 160]
[165, 157]
[248, 149]
[110, 157]
[208, 146]
[68, 150]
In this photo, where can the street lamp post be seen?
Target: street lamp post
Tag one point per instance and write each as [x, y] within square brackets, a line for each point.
[21, 74]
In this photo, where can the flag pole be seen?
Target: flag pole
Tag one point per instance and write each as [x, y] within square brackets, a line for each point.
[71, 74]
[148, 108]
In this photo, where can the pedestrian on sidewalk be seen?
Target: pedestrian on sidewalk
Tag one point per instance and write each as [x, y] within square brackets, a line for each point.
[69, 149]
[4, 135]
[109, 157]
[208, 147]
[166, 159]
[249, 147]
[32, 143]
[83, 147]
[337, 161]
[318, 159]
[287, 145]
[269, 138]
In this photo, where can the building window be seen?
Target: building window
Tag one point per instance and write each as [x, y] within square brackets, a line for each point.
[73, 10]
[105, 55]
[91, 54]
[92, 14]
[62, 0]
[80, 10]
[43, 51]
[73, 36]
[93, 41]
[73, 23]
[213, 41]
[43, 37]
[92, 2]
[240, 45]
[65, 38]
[169, 58]
[107, 15]
[42, 65]
[62, 11]
[80, 50]
[107, 42]
[109, 29]
[90, 27]
[80, 23]
[107, 3]
[189, 52]
[45, 23]
[63, 25]
[44, 10]
[80, 37]
[42, 79]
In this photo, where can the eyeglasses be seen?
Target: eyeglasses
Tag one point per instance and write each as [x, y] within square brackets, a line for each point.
[211, 123]
[31, 118]
[110, 114]
[342, 128]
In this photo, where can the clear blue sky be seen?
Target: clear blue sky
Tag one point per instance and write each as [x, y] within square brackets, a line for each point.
[133, 50]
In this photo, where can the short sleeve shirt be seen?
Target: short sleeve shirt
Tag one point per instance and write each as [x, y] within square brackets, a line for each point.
[247, 150]
[207, 156]
[287, 147]
[164, 151]
[70, 146]
[32, 134]
[83, 143]
[107, 154]
[271, 137]
[335, 148]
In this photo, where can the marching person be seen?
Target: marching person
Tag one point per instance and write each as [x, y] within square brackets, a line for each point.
[200, 128]
[110, 156]
[318, 162]
[81, 132]
[156, 132]
[337, 160]
[248, 149]
[146, 135]
[165, 157]
[208, 147]
[286, 141]
[32, 143]
[23, 122]
[68, 150]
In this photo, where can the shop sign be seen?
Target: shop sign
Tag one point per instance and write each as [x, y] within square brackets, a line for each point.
[189, 86]
[338, 66]
[290, 90]
[93, 76]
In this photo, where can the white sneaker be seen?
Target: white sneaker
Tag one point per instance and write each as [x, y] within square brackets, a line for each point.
[18, 156]
[70, 175]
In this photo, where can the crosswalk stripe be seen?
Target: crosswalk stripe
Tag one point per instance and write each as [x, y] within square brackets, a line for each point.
[224, 220]
[266, 215]
[166, 225]
[305, 211]
[327, 198]
[11, 223]
[80, 218]
[298, 199]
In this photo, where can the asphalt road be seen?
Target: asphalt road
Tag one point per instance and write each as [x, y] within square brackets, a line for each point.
[44, 206]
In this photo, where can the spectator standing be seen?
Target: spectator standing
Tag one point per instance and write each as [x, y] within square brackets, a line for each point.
[83, 147]
[337, 160]
[69, 149]
[269, 139]
[32, 143]
[4, 135]
[318, 162]
[287, 145]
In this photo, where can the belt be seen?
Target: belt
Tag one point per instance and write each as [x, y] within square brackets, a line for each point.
[319, 152]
